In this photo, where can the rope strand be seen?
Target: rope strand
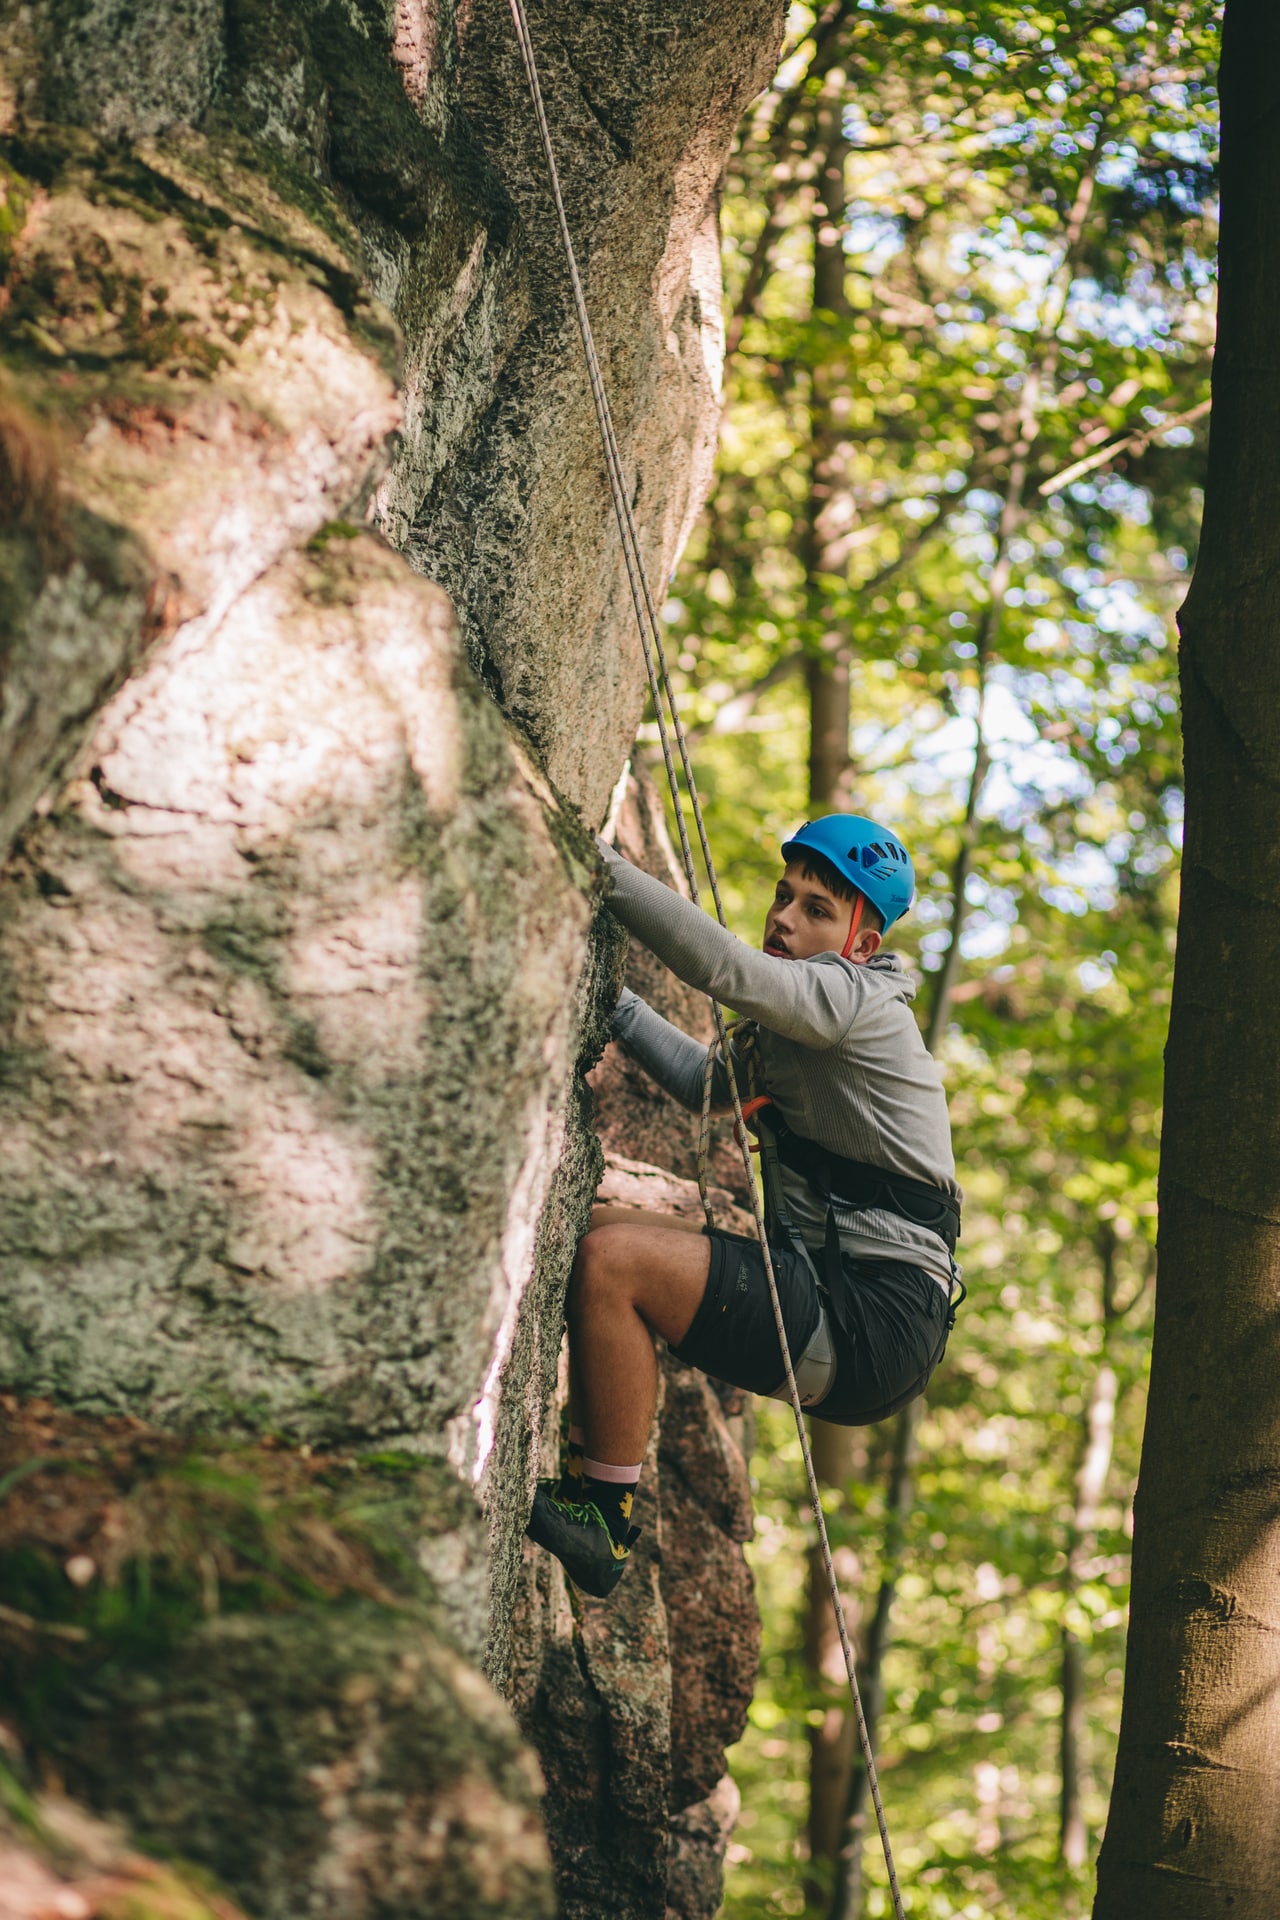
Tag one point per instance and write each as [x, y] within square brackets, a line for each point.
[704, 1135]
[660, 686]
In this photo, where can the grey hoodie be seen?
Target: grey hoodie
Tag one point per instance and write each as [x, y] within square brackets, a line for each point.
[841, 1055]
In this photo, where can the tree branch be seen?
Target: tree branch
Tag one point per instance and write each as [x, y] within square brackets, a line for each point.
[1137, 442]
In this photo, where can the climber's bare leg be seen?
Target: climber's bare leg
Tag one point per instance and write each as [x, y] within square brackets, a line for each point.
[633, 1277]
[608, 1213]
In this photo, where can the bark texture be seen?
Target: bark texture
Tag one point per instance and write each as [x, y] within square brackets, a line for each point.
[1194, 1828]
[314, 673]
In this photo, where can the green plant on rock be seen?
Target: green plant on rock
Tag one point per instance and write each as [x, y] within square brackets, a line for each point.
[117, 1542]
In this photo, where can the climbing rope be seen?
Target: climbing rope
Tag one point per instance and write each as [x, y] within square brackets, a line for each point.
[660, 686]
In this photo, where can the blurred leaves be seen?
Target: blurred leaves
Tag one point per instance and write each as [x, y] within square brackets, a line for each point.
[976, 137]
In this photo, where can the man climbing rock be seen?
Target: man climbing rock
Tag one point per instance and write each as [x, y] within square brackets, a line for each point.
[861, 1202]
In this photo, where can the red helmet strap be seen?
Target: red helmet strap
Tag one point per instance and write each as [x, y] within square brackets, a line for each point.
[859, 902]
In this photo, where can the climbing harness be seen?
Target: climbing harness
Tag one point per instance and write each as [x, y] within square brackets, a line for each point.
[837, 1181]
[857, 1184]
[660, 686]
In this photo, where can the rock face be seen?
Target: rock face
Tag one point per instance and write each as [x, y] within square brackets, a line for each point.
[277, 1698]
[653, 1839]
[315, 673]
[79, 1868]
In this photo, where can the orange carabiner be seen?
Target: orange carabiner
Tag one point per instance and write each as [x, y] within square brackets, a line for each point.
[748, 1108]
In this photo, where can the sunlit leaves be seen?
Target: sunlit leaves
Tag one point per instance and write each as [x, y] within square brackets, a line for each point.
[1029, 199]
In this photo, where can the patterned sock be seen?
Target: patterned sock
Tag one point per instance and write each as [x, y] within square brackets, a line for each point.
[570, 1487]
[612, 1490]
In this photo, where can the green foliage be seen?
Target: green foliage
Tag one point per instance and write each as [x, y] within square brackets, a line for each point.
[974, 481]
[115, 1543]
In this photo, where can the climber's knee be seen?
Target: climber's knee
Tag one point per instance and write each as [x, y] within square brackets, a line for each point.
[599, 1275]
[640, 1268]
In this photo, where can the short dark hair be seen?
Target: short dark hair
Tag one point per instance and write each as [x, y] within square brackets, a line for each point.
[816, 866]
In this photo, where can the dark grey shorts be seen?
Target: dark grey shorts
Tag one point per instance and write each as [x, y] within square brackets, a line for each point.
[886, 1329]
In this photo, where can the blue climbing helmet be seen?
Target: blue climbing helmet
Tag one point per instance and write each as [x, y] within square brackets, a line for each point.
[868, 855]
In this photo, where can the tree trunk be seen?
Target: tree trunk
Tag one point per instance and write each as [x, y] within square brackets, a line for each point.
[847, 1894]
[836, 1452]
[830, 504]
[1194, 1827]
[945, 979]
[1073, 1838]
[827, 682]
[846, 1903]
[1090, 1481]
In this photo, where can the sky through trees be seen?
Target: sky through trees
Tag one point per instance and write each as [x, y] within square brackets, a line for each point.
[970, 308]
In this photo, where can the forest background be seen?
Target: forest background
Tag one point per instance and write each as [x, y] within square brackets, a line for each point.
[970, 301]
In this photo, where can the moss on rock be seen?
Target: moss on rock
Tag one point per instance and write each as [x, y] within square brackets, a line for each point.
[342, 1762]
[237, 1650]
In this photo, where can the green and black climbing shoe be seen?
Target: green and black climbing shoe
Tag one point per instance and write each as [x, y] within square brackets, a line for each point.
[576, 1532]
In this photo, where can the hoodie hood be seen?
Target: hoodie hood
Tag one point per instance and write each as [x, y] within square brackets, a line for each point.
[888, 971]
[883, 974]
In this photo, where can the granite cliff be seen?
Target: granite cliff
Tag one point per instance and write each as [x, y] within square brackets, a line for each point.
[317, 673]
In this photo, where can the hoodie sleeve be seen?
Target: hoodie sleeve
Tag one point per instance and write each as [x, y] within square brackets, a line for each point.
[811, 1002]
[669, 1056]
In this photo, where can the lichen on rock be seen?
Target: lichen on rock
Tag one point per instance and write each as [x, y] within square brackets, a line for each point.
[316, 673]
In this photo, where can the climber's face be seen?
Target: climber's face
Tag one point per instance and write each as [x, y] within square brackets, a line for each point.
[805, 918]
